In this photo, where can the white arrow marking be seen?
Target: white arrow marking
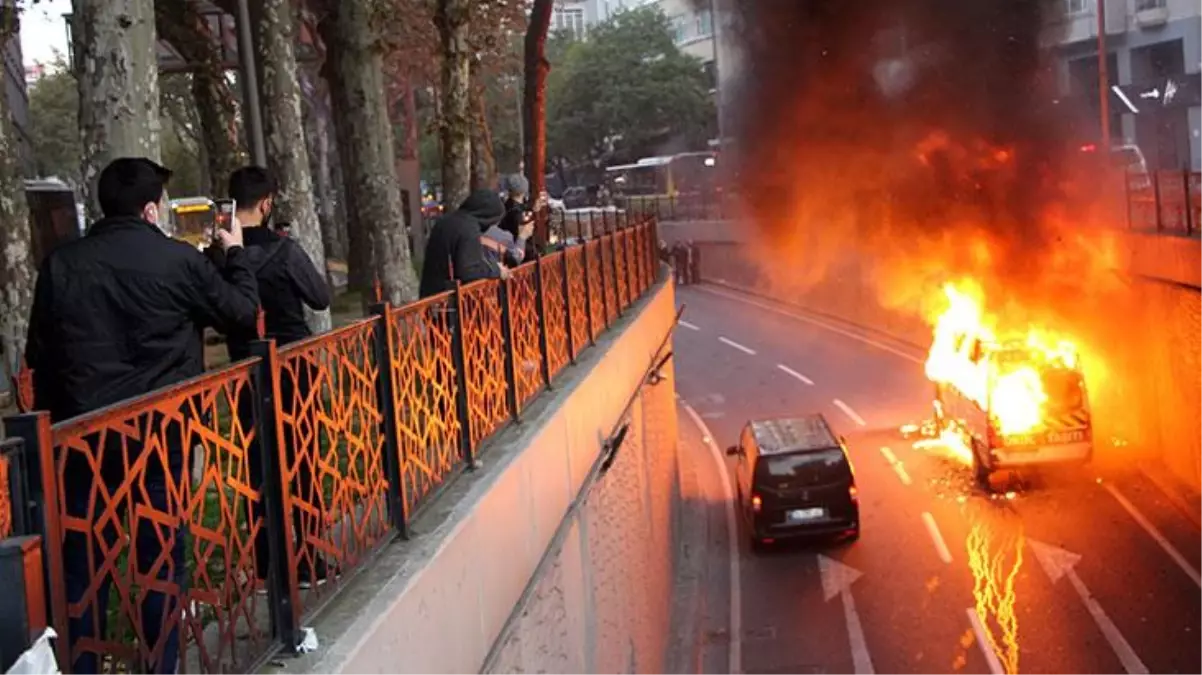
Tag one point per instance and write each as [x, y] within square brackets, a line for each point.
[1155, 93]
[1058, 563]
[837, 579]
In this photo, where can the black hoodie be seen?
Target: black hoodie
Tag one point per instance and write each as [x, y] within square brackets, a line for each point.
[288, 281]
[454, 251]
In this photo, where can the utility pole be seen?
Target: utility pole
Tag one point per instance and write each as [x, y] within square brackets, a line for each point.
[1103, 78]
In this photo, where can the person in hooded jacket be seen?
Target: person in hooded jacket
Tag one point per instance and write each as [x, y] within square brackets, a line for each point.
[116, 314]
[454, 251]
[288, 282]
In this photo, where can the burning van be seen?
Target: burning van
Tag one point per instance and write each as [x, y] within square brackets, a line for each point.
[1004, 404]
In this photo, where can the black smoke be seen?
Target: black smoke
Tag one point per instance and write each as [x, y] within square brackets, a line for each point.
[835, 101]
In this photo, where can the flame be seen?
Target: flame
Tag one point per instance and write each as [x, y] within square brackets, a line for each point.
[995, 570]
[1010, 389]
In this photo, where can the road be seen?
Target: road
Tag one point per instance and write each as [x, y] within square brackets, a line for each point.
[1075, 572]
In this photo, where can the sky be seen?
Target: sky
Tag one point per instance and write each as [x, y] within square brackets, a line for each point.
[44, 31]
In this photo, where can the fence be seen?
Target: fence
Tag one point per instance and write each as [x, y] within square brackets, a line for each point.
[201, 525]
[1168, 202]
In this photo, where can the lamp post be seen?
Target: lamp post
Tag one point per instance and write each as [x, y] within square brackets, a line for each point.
[1103, 77]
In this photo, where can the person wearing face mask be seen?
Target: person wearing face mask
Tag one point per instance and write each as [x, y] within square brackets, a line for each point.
[288, 280]
[116, 314]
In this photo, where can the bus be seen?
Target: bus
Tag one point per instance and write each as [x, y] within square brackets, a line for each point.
[666, 185]
[192, 219]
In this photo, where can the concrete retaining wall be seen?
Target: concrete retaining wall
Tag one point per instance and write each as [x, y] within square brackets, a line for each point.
[585, 558]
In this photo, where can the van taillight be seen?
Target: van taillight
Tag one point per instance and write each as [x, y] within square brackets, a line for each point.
[853, 493]
[756, 503]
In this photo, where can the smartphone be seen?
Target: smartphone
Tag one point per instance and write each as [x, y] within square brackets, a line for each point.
[224, 219]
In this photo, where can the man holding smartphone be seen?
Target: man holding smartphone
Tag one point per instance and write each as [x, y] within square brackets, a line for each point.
[288, 281]
[117, 313]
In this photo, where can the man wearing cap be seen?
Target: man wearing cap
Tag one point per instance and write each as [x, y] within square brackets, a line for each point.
[116, 314]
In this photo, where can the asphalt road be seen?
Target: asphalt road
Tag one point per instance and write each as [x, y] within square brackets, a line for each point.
[1077, 572]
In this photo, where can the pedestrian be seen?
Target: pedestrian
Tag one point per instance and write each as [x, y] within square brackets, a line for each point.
[288, 283]
[680, 263]
[117, 313]
[694, 263]
[519, 210]
[505, 243]
[454, 251]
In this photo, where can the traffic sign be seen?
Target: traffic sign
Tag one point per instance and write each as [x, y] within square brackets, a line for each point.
[1174, 91]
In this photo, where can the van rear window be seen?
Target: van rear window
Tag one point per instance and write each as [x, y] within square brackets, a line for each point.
[803, 468]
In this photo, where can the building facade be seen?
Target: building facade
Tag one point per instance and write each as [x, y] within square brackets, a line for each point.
[15, 90]
[1154, 55]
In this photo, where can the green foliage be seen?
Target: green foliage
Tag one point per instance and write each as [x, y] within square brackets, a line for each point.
[54, 124]
[628, 86]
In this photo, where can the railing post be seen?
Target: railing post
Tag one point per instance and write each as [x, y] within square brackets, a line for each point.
[588, 294]
[1156, 200]
[386, 400]
[1127, 197]
[511, 379]
[1187, 202]
[613, 260]
[541, 302]
[41, 511]
[567, 304]
[601, 273]
[23, 604]
[655, 263]
[459, 356]
[281, 585]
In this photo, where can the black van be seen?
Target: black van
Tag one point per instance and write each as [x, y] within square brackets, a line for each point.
[794, 479]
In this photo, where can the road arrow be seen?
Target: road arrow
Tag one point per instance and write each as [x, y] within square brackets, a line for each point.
[837, 579]
[1058, 563]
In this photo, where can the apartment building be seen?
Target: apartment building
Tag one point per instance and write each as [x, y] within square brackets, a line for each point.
[15, 90]
[1154, 54]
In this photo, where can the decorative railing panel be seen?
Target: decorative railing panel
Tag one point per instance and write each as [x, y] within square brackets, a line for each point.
[596, 294]
[484, 359]
[554, 312]
[158, 509]
[577, 299]
[331, 452]
[424, 391]
[523, 319]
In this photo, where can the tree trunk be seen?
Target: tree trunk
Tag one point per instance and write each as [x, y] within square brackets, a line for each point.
[179, 23]
[455, 124]
[118, 78]
[534, 106]
[317, 130]
[354, 70]
[274, 22]
[16, 256]
[484, 163]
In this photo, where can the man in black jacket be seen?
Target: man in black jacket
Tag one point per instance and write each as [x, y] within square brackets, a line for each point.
[117, 314]
[454, 252]
[288, 282]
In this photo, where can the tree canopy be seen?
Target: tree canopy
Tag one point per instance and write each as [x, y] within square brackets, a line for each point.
[627, 91]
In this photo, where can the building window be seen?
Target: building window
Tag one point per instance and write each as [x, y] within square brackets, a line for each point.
[1078, 6]
[705, 24]
[569, 19]
[1145, 5]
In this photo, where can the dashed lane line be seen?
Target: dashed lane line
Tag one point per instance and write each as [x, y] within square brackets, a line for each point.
[855, 417]
[688, 325]
[746, 350]
[937, 537]
[793, 373]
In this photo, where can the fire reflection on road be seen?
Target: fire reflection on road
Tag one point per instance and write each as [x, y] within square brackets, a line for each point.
[995, 556]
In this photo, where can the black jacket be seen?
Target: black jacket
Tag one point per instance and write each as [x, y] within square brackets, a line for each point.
[454, 251]
[288, 281]
[120, 312]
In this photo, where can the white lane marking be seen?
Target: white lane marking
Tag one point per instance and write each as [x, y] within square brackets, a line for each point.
[978, 628]
[897, 466]
[736, 345]
[801, 317]
[936, 536]
[735, 653]
[850, 413]
[794, 373]
[1058, 564]
[688, 325]
[837, 579]
[1155, 534]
